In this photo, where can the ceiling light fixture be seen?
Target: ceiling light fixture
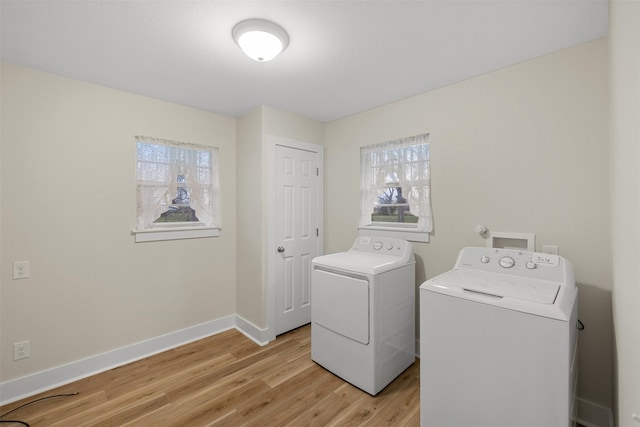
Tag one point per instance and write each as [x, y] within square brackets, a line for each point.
[261, 40]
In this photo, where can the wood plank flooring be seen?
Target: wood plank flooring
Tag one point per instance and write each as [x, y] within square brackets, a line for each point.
[226, 380]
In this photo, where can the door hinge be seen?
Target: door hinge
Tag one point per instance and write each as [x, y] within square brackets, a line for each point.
[317, 171]
[317, 232]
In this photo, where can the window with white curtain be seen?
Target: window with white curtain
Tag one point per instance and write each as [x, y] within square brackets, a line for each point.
[176, 190]
[396, 188]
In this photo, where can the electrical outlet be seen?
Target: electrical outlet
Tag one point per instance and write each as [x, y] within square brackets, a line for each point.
[551, 250]
[21, 270]
[21, 350]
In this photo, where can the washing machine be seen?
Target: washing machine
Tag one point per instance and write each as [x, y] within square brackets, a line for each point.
[498, 341]
[363, 311]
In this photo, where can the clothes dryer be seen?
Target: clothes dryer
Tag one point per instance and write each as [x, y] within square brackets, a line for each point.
[498, 341]
[363, 311]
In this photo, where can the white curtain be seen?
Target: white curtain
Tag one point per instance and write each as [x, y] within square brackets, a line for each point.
[405, 162]
[171, 173]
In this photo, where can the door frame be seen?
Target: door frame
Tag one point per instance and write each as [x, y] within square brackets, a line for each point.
[270, 222]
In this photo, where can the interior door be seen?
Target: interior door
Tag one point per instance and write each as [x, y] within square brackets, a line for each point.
[297, 231]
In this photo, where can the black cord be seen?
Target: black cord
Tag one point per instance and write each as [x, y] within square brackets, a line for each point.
[31, 403]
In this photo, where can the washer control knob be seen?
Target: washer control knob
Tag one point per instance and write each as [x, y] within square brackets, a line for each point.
[506, 262]
[377, 246]
[531, 265]
[485, 259]
[389, 246]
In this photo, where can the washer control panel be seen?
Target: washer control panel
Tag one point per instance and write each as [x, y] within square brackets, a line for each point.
[513, 262]
[506, 262]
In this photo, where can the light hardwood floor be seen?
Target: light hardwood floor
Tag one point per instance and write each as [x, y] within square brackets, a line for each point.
[226, 380]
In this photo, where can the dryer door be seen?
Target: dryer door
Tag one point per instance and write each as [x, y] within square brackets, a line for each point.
[340, 303]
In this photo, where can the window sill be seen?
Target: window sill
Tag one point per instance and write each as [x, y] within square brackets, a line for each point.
[158, 234]
[395, 232]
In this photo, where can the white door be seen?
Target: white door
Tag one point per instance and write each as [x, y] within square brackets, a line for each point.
[296, 234]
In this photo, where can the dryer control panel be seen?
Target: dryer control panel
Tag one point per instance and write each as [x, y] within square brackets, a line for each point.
[383, 245]
[513, 262]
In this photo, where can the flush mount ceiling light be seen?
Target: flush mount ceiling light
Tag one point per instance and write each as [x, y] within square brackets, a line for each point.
[261, 40]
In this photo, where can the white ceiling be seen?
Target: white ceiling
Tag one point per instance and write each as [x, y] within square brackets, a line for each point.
[344, 56]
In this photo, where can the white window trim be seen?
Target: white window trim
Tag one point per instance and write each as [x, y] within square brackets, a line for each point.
[177, 230]
[403, 233]
[396, 230]
[158, 234]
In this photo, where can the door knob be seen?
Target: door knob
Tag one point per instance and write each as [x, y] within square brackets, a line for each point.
[280, 249]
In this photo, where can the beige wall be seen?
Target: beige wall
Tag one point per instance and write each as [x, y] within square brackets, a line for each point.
[624, 42]
[253, 131]
[522, 149]
[68, 206]
[250, 213]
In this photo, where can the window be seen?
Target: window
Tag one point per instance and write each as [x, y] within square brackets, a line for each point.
[176, 190]
[395, 188]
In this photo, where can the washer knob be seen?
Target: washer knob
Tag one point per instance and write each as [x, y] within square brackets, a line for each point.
[485, 259]
[531, 265]
[506, 262]
[377, 246]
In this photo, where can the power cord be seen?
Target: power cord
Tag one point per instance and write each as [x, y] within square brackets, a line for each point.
[31, 403]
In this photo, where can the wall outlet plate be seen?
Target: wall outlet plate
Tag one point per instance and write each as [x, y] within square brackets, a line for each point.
[21, 350]
[20, 270]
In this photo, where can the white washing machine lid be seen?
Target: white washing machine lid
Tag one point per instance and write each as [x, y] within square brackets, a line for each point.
[498, 285]
[360, 262]
[529, 285]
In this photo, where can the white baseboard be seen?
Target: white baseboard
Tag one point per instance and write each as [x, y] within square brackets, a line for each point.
[22, 387]
[251, 331]
[591, 414]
